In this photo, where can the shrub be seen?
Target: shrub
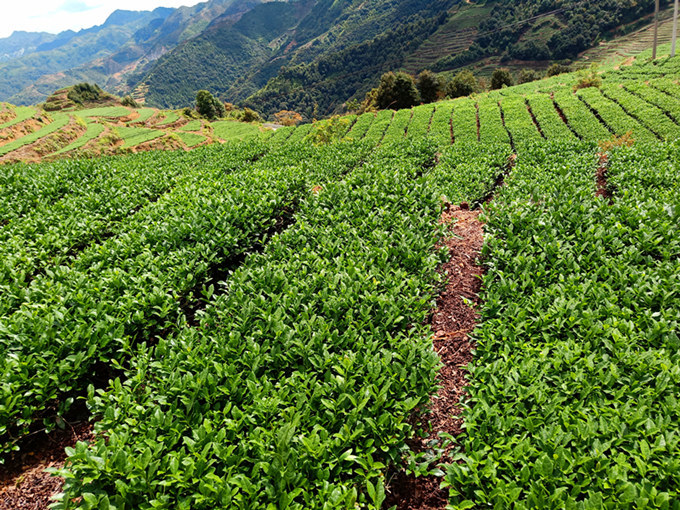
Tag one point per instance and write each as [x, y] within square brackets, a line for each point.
[397, 90]
[527, 76]
[501, 77]
[287, 118]
[429, 86]
[370, 103]
[85, 92]
[556, 69]
[463, 84]
[328, 131]
[208, 106]
[588, 77]
[625, 140]
[353, 105]
[129, 101]
[249, 115]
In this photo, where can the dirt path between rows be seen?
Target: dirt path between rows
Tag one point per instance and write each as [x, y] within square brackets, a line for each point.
[603, 189]
[24, 484]
[454, 319]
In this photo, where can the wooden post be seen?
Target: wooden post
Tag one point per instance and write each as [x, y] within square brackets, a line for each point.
[675, 27]
[656, 27]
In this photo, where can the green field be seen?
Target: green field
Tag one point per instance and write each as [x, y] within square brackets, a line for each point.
[133, 136]
[253, 324]
[92, 132]
[231, 131]
[191, 139]
[22, 113]
[194, 125]
[144, 115]
[107, 111]
[169, 118]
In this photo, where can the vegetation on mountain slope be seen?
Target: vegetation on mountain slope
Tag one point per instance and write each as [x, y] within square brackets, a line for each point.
[248, 323]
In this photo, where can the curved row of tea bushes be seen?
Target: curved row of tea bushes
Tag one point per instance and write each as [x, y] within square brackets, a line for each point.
[296, 389]
[133, 287]
[573, 390]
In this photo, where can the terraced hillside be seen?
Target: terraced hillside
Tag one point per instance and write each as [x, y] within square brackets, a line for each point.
[452, 38]
[468, 304]
[31, 134]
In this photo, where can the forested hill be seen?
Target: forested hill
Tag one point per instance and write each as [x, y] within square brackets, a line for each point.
[317, 55]
[235, 60]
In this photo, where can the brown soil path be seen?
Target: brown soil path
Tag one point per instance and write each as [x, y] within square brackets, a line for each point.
[601, 178]
[24, 484]
[20, 130]
[454, 319]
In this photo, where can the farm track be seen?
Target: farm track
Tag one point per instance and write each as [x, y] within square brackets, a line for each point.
[387, 127]
[604, 190]
[597, 115]
[453, 136]
[409, 123]
[560, 112]
[512, 142]
[452, 322]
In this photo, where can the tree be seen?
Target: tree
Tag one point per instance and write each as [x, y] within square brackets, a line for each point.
[287, 118]
[463, 84]
[556, 69]
[208, 106]
[129, 101]
[328, 131]
[429, 85]
[83, 92]
[249, 115]
[397, 90]
[526, 76]
[500, 77]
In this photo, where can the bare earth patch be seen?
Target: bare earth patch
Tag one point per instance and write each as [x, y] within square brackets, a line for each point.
[35, 151]
[24, 484]
[19, 130]
[454, 319]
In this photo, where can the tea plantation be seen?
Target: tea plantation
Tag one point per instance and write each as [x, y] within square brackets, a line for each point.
[248, 322]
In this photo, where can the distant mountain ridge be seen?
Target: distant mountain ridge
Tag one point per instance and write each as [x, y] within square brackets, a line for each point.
[310, 56]
[36, 64]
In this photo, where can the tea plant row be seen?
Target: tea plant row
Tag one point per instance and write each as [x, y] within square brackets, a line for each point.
[296, 388]
[573, 396]
[132, 287]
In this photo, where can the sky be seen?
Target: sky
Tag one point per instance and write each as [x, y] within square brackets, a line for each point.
[55, 16]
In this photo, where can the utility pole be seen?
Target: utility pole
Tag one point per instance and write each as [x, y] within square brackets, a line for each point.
[656, 27]
[675, 27]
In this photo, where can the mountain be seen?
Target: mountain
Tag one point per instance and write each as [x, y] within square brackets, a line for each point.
[317, 55]
[310, 56]
[237, 59]
[69, 50]
[22, 43]
[107, 54]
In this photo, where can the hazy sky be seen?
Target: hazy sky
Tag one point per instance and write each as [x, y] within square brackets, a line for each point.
[55, 16]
